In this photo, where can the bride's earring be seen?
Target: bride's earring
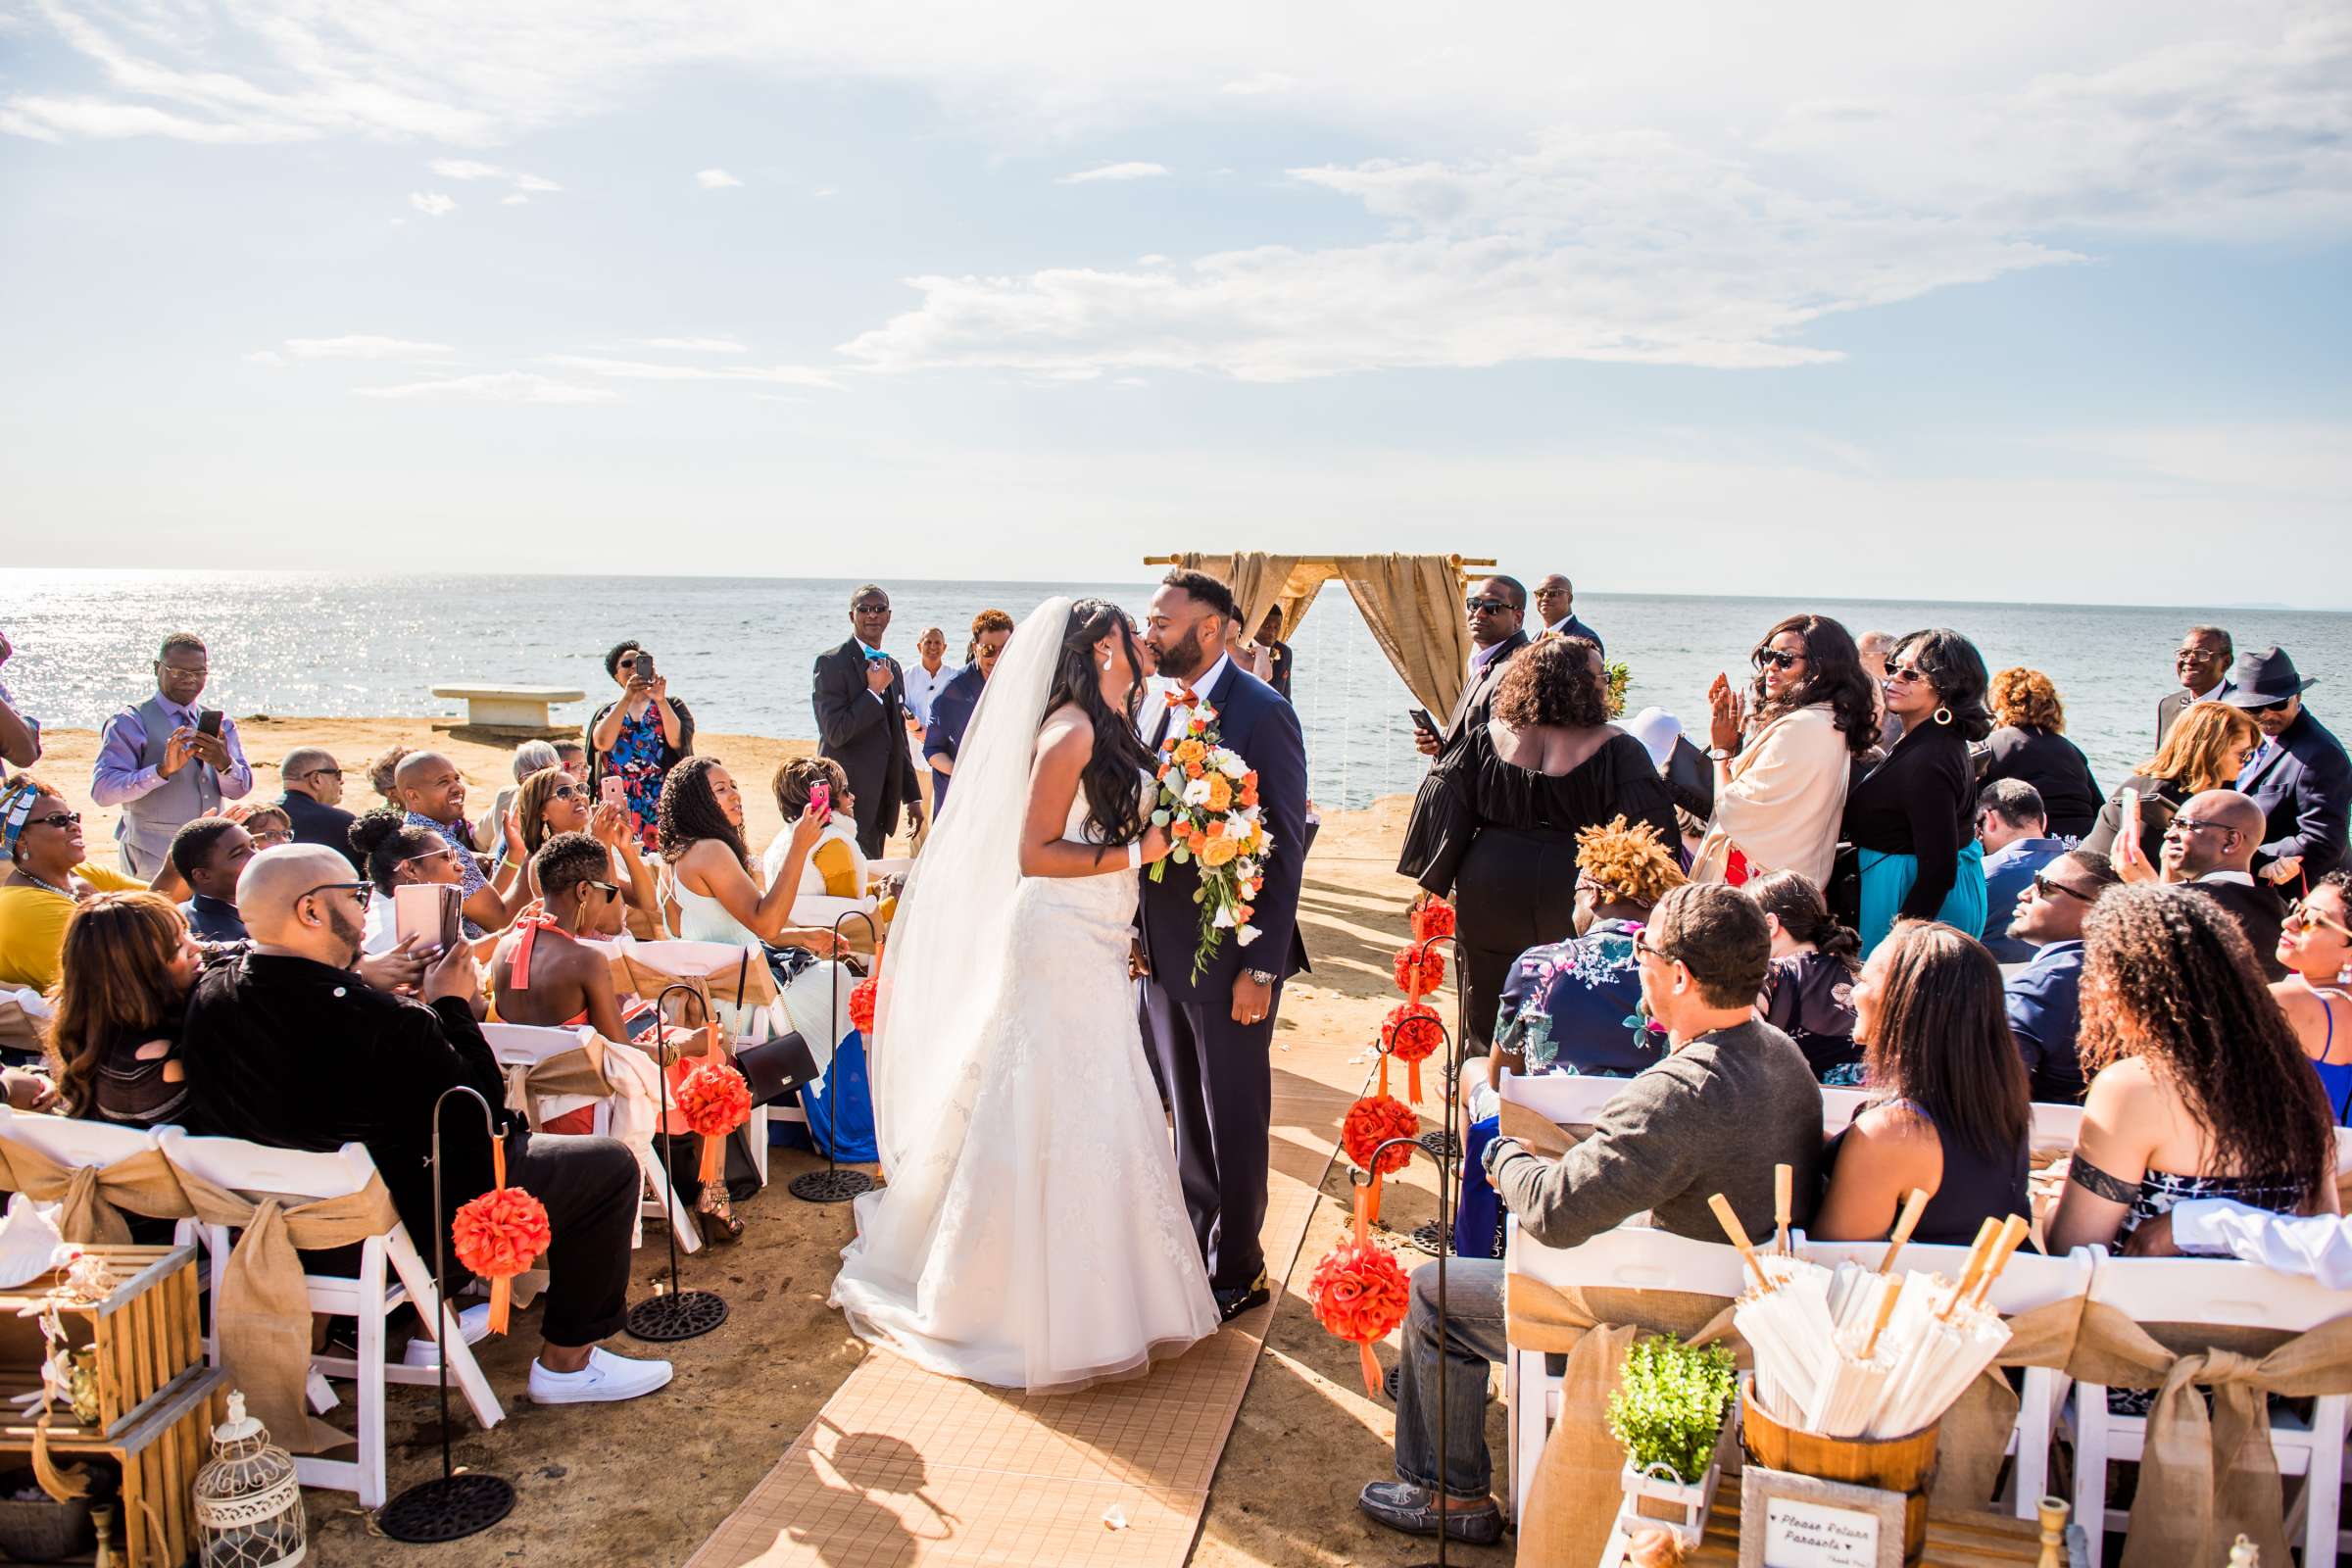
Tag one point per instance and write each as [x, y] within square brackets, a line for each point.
[1105, 667]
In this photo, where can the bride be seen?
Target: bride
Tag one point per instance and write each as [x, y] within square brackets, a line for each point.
[1033, 1233]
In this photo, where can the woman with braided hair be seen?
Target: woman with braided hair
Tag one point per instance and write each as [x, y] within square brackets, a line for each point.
[2201, 1088]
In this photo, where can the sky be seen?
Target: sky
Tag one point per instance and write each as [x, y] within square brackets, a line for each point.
[2006, 301]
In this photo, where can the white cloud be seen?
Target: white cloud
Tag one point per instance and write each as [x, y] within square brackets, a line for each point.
[1114, 171]
[504, 386]
[533, 182]
[432, 204]
[364, 346]
[694, 345]
[517, 200]
[643, 370]
[465, 169]
[716, 180]
[265, 358]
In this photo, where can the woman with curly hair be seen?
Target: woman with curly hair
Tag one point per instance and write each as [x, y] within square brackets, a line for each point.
[2205, 748]
[1784, 753]
[2031, 744]
[714, 895]
[1912, 819]
[1547, 766]
[2201, 1087]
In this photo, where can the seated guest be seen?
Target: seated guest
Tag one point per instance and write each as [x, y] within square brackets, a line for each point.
[951, 710]
[2014, 834]
[2030, 745]
[47, 875]
[1781, 756]
[2213, 1100]
[639, 736]
[267, 826]
[2211, 847]
[713, 894]
[540, 973]
[572, 757]
[157, 764]
[113, 1034]
[288, 1045]
[2043, 1000]
[432, 792]
[1947, 1113]
[391, 853]
[313, 782]
[1809, 989]
[531, 757]
[1911, 818]
[20, 731]
[2202, 664]
[209, 853]
[384, 770]
[832, 879]
[1732, 1099]
[2205, 748]
[2302, 779]
[552, 802]
[2316, 946]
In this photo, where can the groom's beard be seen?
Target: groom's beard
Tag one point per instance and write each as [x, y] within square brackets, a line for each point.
[1185, 659]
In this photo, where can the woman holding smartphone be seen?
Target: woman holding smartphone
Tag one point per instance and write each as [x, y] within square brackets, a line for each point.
[638, 737]
[551, 802]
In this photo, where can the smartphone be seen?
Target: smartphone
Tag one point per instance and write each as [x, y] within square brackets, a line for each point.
[645, 667]
[208, 723]
[820, 801]
[1423, 722]
[872, 653]
[612, 792]
[429, 911]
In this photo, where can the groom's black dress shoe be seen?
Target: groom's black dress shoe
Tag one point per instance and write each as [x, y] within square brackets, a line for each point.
[1233, 1302]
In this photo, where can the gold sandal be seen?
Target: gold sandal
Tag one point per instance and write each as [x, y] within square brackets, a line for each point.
[716, 1216]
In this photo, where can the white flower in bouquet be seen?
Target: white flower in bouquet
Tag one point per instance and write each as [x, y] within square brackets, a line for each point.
[1195, 792]
[1246, 935]
[1232, 766]
[1222, 919]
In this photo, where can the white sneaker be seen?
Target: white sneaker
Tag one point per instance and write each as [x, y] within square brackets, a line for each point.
[473, 1323]
[606, 1377]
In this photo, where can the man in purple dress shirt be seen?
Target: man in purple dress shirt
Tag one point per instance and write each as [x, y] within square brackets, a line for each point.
[157, 765]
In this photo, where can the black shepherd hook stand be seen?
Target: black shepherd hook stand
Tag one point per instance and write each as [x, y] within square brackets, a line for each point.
[670, 1314]
[1363, 1178]
[833, 1185]
[455, 1504]
[1445, 1143]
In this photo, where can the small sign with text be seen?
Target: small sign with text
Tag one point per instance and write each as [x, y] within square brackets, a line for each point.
[1814, 1534]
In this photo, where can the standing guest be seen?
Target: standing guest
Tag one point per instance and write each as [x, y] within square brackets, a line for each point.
[2202, 662]
[572, 757]
[312, 797]
[157, 764]
[2044, 999]
[1876, 647]
[2214, 1099]
[2301, 779]
[1495, 605]
[1545, 766]
[1949, 1112]
[1732, 1099]
[2316, 946]
[2030, 743]
[1809, 991]
[20, 731]
[2211, 847]
[113, 1032]
[288, 1045]
[2208, 746]
[1782, 756]
[2016, 840]
[928, 679]
[860, 696]
[1270, 656]
[209, 855]
[1555, 607]
[531, 757]
[432, 793]
[1909, 818]
[952, 711]
[48, 874]
[552, 802]
[639, 736]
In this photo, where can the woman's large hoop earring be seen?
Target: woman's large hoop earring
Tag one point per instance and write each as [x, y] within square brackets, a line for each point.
[1944, 715]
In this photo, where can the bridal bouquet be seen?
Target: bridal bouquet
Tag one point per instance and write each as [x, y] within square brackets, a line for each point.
[1208, 804]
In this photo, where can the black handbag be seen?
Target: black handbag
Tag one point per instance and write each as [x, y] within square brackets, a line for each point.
[774, 1068]
[1843, 895]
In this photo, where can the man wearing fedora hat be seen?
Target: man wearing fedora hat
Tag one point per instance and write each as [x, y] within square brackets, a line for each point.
[2301, 777]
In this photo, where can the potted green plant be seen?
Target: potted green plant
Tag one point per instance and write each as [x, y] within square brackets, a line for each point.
[1668, 1415]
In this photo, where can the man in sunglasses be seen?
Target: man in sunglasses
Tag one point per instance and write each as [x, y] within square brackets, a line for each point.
[1496, 608]
[2210, 847]
[2044, 998]
[2300, 777]
[312, 781]
[2013, 827]
[2202, 664]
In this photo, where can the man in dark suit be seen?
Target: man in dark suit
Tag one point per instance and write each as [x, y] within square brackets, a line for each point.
[2209, 849]
[1556, 610]
[1496, 607]
[2301, 777]
[2202, 661]
[861, 701]
[1212, 1033]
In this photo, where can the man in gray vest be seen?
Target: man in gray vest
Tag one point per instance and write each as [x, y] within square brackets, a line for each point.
[157, 765]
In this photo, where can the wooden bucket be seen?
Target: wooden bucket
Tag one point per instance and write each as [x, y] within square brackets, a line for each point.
[1905, 1464]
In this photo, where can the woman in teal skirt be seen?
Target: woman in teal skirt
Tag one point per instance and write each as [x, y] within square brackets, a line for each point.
[1912, 821]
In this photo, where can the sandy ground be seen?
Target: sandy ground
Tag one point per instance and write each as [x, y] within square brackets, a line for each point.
[642, 1485]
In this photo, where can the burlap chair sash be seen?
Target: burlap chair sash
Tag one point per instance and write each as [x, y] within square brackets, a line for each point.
[579, 1071]
[2206, 1477]
[1536, 1132]
[1974, 1433]
[1570, 1500]
[94, 1196]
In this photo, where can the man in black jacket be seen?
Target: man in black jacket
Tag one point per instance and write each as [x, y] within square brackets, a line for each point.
[861, 701]
[2210, 848]
[2301, 778]
[2202, 661]
[1496, 608]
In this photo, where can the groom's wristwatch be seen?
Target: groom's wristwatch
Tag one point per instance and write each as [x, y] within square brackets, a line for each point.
[1261, 976]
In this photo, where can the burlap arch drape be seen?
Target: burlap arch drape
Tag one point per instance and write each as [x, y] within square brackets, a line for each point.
[1411, 602]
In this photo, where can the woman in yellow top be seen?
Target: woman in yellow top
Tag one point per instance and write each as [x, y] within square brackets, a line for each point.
[47, 876]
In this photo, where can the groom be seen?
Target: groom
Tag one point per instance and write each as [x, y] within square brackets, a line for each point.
[1213, 1036]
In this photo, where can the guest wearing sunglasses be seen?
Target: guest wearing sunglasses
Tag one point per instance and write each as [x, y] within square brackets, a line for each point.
[2301, 778]
[48, 873]
[2203, 665]
[2045, 999]
[953, 709]
[1784, 753]
[2315, 942]
[2205, 748]
[2210, 847]
[2013, 831]
[312, 781]
[392, 853]
[1495, 607]
[1911, 820]
[551, 802]
[541, 973]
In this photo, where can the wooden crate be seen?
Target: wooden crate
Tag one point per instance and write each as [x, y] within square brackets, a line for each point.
[159, 1453]
[146, 1333]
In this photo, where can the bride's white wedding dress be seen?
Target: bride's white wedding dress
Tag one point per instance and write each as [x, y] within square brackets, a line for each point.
[1033, 1233]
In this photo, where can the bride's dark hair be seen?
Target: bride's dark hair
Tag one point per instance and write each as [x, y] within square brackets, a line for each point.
[1114, 805]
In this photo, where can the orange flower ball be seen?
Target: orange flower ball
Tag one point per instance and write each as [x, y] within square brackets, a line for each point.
[862, 1004]
[1360, 1292]
[1412, 1032]
[1430, 963]
[1434, 919]
[1372, 1121]
[498, 1234]
[714, 1099]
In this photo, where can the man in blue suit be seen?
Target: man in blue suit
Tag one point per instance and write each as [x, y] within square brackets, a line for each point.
[1212, 1034]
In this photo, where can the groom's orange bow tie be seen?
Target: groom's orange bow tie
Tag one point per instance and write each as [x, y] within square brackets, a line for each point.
[1184, 697]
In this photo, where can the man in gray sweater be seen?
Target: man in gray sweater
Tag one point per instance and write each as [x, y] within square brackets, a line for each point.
[1735, 1098]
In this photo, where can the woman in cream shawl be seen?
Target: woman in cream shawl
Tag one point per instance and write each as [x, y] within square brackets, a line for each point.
[1779, 786]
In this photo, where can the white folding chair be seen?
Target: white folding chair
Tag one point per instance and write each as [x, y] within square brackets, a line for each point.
[2029, 1281]
[718, 965]
[2222, 1293]
[70, 1141]
[1572, 1100]
[256, 1170]
[519, 1045]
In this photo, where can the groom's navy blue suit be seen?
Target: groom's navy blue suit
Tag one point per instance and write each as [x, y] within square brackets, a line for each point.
[1217, 1073]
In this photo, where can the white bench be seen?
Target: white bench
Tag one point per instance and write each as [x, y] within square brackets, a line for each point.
[510, 706]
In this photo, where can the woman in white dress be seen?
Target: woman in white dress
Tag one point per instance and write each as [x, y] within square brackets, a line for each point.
[1033, 1233]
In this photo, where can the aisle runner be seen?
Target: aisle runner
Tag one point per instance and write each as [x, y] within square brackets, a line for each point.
[902, 1466]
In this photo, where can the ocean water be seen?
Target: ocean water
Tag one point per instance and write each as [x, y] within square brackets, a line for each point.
[740, 650]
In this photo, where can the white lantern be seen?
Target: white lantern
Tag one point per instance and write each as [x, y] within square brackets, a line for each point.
[248, 1504]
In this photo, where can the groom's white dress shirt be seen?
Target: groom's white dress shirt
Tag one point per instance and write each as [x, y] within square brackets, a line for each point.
[1181, 715]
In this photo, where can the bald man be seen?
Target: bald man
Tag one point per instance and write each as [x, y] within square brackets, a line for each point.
[2211, 847]
[431, 790]
[286, 1045]
[1555, 607]
[312, 782]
